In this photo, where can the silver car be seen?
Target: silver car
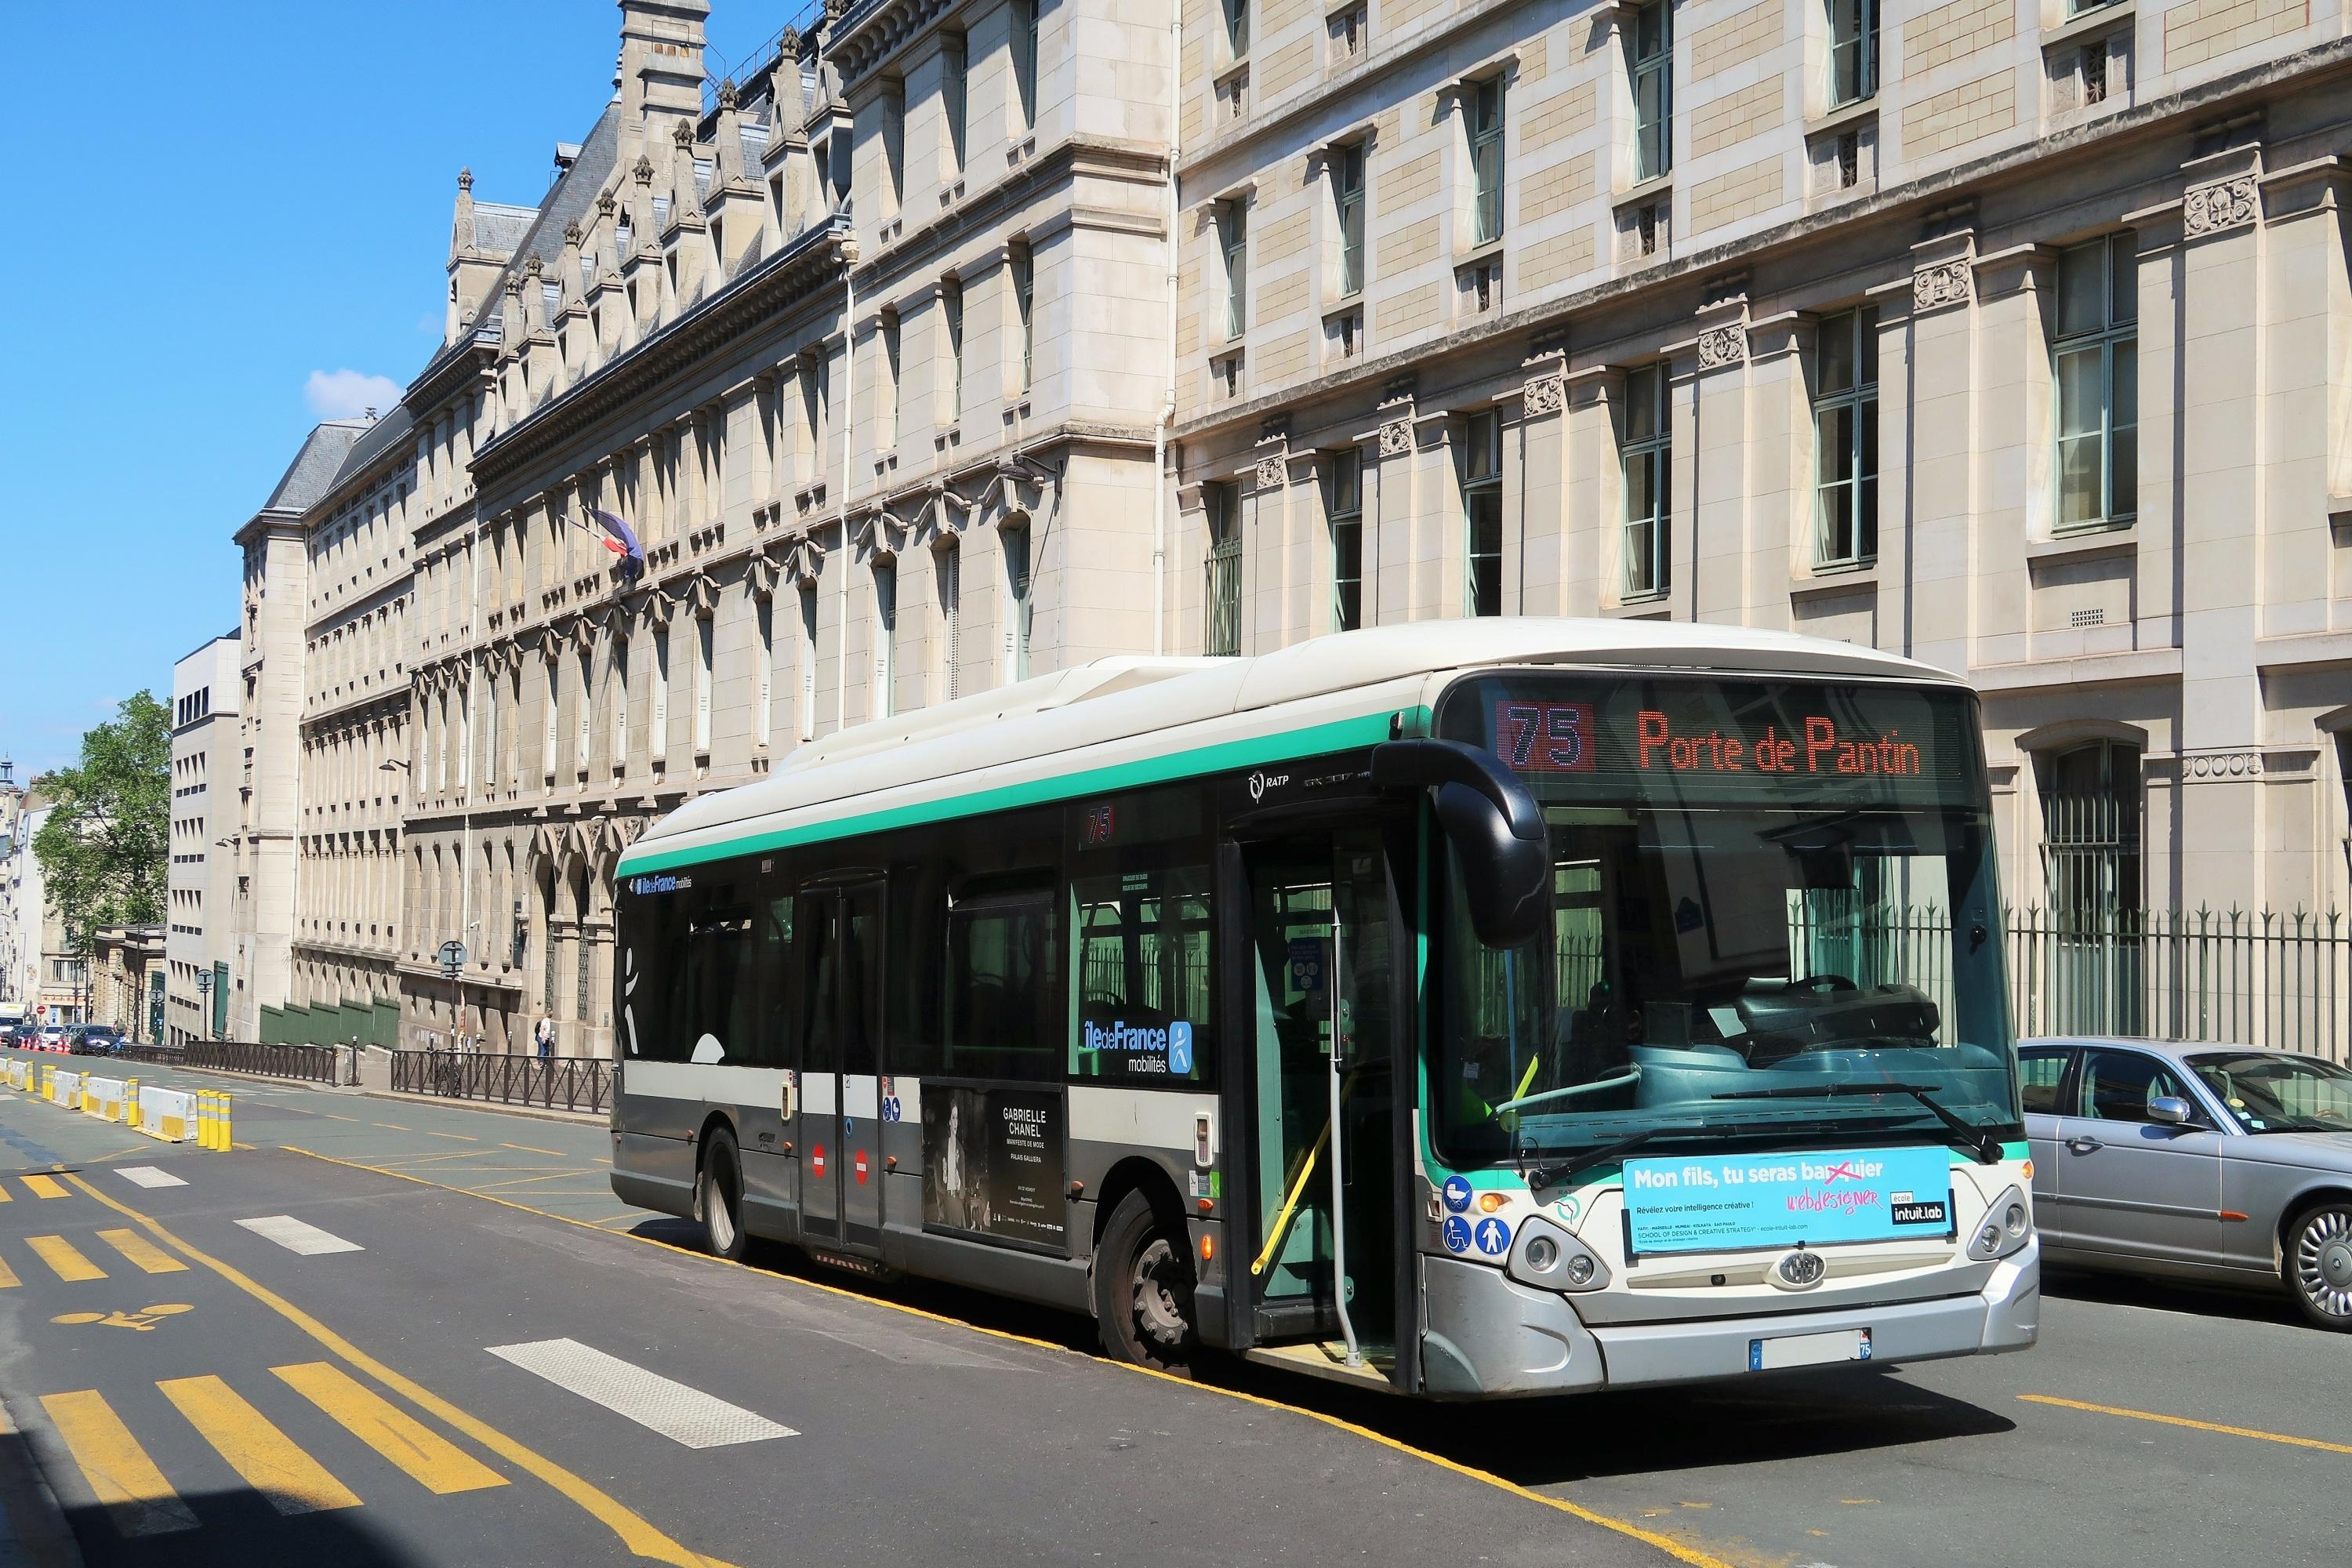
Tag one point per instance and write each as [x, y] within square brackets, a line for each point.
[2208, 1162]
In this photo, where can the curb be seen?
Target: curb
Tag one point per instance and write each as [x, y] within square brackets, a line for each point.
[496, 1108]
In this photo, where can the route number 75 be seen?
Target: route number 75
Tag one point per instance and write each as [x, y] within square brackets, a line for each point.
[1546, 737]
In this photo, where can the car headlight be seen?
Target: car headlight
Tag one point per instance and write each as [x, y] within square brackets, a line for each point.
[1549, 1259]
[2007, 1226]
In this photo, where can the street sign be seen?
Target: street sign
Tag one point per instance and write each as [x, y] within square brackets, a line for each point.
[453, 958]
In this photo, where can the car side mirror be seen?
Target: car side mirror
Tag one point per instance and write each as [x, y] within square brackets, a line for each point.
[1492, 824]
[2169, 1108]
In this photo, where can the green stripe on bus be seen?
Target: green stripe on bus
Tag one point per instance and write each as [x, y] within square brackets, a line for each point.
[1295, 745]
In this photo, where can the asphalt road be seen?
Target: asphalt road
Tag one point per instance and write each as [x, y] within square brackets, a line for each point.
[403, 1340]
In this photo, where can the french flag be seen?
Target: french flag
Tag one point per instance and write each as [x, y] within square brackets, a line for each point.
[622, 541]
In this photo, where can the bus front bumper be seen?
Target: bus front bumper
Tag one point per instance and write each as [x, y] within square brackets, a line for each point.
[1486, 1334]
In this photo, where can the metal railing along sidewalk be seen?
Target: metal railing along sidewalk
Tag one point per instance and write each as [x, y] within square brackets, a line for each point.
[552, 1083]
[311, 1064]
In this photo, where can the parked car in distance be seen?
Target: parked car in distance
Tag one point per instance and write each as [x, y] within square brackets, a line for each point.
[53, 1038]
[2195, 1160]
[94, 1039]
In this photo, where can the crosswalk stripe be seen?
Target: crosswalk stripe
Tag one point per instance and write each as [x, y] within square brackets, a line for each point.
[8, 1280]
[5, 1195]
[685, 1415]
[125, 1481]
[436, 1463]
[46, 1187]
[270, 1461]
[294, 1235]
[65, 1257]
[150, 1257]
[149, 1176]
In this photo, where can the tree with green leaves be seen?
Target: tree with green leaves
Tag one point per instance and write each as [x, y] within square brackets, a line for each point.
[105, 847]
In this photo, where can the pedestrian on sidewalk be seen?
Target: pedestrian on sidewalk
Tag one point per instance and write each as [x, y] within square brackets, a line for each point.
[542, 1033]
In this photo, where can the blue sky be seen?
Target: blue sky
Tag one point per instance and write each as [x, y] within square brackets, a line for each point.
[231, 217]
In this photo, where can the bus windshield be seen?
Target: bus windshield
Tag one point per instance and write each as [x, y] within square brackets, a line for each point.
[1765, 896]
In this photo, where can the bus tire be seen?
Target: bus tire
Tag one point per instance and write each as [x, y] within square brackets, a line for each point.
[1143, 1290]
[719, 1196]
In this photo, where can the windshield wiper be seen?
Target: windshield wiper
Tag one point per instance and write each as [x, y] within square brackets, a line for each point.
[1987, 1147]
[1546, 1175]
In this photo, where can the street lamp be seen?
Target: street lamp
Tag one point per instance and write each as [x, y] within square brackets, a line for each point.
[204, 993]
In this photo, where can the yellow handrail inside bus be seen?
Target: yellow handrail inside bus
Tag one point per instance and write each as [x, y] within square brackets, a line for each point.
[1298, 1187]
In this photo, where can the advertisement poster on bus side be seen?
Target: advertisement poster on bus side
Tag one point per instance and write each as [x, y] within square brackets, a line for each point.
[1730, 1203]
[994, 1163]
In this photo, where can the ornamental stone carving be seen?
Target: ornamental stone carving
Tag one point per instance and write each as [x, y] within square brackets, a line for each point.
[1270, 471]
[2223, 765]
[1544, 394]
[1719, 346]
[2224, 204]
[1944, 283]
[1396, 438]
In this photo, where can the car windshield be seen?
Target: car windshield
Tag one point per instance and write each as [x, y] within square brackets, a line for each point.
[2267, 1092]
[1730, 955]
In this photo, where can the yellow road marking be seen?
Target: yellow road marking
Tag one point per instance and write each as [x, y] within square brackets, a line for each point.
[44, 1187]
[461, 1137]
[267, 1457]
[332, 1117]
[635, 1532]
[2227, 1431]
[142, 1252]
[5, 1195]
[65, 1257]
[434, 1462]
[1690, 1556]
[529, 1149]
[8, 1280]
[396, 1126]
[125, 1481]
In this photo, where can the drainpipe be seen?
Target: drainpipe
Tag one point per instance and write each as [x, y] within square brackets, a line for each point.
[848, 422]
[1168, 406]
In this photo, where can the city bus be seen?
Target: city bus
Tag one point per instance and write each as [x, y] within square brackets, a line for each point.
[1480, 1007]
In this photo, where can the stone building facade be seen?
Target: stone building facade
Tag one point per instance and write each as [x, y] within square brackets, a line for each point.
[957, 343]
[126, 980]
[200, 882]
[2011, 335]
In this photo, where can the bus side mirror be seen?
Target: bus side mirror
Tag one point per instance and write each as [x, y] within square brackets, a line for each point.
[1493, 826]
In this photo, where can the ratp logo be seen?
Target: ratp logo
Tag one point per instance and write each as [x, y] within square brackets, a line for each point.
[1259, 782]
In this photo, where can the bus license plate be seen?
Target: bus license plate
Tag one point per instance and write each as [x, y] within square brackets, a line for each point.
[1809, 1350]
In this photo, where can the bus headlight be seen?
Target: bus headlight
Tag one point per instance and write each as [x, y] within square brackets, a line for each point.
[2007, 1226]
[1546, 1256]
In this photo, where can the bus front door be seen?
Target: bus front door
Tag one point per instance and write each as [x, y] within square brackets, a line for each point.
[838, 1131]
[1321, 990]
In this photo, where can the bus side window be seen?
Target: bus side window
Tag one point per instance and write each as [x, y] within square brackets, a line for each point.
[1001, 972]
[1141, 976]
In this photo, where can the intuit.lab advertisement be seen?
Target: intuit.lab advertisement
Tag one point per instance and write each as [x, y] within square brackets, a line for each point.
[1732, 1203]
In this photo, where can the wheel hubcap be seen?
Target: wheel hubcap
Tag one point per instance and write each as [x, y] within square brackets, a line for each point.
[2322, 1262]
[722, 1217]
[1157, 1310]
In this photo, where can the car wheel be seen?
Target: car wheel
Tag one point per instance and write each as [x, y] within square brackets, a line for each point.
[719, 1197]
[1143, 1290]
[2318, 1265]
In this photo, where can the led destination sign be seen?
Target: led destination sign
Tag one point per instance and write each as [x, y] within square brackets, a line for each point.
[1688, 737]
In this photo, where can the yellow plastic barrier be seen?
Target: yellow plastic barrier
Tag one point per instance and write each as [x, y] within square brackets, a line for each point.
[228, 1110]
[130, 1105]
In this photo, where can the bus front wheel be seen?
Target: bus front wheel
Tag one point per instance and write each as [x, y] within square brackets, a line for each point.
[1143, 1288]
[719, 1196]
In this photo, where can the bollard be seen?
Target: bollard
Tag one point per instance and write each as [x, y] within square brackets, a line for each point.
[130, 1104]
[208, 1119]
[227, 1113]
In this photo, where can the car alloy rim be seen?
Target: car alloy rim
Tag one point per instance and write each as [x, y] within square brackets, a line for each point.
[2322, 1261]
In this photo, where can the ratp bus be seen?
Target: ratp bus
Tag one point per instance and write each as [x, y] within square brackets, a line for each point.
[1474, 1008]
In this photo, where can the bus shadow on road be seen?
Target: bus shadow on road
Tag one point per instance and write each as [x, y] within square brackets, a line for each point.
[1533, 1442]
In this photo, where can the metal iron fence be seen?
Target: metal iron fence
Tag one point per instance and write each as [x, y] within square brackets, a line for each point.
[311, 1064]
[554, 1083]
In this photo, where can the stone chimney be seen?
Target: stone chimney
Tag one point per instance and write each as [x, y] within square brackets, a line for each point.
[472, 270]
[661, 70]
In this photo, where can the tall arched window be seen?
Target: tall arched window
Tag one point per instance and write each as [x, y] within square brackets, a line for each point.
[2091, 831]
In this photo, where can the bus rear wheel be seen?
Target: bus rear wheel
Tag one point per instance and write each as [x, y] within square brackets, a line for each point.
[1143, 1290]
[719, 1196]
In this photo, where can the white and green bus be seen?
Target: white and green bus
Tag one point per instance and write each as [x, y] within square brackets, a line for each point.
[1469, 1007]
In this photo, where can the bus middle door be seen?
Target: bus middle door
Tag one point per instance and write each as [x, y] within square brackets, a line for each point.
[839, 1134]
